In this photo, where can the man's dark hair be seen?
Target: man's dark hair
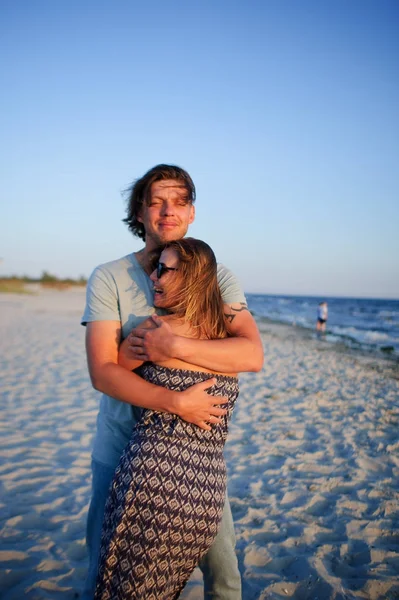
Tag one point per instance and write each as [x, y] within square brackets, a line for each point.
[139, 193]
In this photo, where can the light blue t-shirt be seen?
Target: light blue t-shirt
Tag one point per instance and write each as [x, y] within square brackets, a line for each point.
[122, 291]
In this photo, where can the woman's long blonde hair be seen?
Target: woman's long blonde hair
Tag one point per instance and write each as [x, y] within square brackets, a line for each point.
[195, 290]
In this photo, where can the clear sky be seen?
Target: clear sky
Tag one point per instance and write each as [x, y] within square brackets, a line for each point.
[284, 112]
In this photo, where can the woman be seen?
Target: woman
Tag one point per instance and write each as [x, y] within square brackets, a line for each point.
[168, 493]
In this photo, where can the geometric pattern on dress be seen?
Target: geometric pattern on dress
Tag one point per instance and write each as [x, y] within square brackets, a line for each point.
[166, 499]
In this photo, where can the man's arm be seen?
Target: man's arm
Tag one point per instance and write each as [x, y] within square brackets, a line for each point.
[241, 352]
[193, 405]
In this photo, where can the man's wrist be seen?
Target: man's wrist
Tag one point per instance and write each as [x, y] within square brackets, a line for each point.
[178, 347]
[169, 401]
[174, 403]
[173, 346]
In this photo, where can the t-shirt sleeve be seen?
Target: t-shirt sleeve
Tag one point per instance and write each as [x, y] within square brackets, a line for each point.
[102, 302]
[230, 286]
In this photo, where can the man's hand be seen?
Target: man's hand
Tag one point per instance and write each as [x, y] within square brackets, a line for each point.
[152, 344]
[196, 406]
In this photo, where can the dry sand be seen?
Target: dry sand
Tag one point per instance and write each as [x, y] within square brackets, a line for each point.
[313, 459]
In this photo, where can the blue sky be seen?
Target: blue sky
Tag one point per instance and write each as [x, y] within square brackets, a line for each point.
[284, 112]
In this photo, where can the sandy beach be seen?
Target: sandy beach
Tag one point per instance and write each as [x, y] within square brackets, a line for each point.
[313, 459]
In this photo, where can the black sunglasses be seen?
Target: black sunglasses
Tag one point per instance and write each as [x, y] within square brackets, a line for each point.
[162, 269]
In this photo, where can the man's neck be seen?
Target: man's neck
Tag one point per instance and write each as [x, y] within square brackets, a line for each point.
[143, 258]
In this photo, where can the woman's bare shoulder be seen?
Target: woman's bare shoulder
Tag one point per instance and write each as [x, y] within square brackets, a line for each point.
[147, 324]
[178, 326]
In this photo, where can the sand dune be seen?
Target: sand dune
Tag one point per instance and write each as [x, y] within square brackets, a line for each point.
[313, 459]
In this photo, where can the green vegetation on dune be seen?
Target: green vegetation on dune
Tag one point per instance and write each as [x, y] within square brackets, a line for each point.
[13, 286]
[17, 285]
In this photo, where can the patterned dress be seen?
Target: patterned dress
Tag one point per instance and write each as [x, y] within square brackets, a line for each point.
[166, 499]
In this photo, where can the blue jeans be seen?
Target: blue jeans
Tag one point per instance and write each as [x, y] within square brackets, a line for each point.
[222, 579]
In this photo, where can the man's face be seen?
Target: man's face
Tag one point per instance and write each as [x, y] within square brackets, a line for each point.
[168, 214]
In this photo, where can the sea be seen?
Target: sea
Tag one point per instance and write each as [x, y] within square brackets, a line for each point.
[371, 325]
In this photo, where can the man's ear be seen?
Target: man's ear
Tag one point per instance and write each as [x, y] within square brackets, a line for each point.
[192, 214]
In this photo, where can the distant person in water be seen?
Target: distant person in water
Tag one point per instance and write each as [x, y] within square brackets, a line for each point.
[322, 316]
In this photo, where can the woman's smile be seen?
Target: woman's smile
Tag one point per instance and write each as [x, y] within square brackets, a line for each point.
[163, 278]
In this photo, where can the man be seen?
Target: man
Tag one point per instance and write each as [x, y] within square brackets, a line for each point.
[119, 297]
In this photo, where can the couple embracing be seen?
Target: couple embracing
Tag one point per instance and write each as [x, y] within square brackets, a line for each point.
[159, 504]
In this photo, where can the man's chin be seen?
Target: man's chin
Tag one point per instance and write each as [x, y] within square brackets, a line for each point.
[170, 235]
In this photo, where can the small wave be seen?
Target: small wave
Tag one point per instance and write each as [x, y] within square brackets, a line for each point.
[376, 336]
[349, 331]
[362, 336]
[388, 315]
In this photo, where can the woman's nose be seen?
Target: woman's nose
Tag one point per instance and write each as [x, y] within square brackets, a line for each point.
[153, 275]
